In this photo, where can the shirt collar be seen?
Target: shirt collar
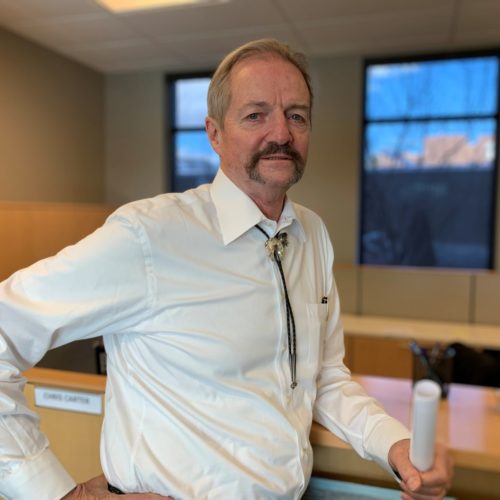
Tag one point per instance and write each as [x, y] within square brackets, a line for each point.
[237, 212]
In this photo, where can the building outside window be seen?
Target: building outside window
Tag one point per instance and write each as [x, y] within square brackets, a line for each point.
[193, 161]
[429, 162]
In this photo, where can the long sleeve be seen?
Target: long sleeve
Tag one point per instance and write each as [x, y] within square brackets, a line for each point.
[99, 286]
[342, 405]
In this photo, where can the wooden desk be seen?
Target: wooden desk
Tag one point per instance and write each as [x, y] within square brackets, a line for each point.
[469, 422]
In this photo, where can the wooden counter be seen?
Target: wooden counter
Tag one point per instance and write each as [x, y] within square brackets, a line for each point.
[66, 379]
[469, 422]
[74, 436]
[474, 335]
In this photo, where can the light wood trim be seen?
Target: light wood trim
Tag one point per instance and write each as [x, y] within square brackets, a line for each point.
[475, 335]
[67, 380]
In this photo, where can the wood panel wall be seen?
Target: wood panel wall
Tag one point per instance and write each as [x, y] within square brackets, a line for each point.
[32, 231]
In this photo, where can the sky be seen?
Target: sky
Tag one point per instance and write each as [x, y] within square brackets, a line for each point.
[454, 88]
[191, 109]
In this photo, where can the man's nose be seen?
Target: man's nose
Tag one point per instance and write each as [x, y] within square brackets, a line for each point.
[280, 130]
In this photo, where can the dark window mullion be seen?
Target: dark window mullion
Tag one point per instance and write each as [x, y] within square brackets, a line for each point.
[426, 119]
[187, 129]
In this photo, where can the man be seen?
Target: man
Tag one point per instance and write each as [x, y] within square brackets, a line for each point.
[220, 318]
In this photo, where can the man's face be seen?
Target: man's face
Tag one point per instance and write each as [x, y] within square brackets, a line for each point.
[265, 137]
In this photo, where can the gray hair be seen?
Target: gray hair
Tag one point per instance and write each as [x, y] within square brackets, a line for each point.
[219, 93]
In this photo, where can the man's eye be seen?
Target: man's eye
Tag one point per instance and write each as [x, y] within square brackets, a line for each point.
[297, 118]
[253, 116]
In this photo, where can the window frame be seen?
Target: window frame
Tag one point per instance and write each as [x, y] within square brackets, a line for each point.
[365, 122]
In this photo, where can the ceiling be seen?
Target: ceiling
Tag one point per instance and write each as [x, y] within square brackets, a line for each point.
[195, 38]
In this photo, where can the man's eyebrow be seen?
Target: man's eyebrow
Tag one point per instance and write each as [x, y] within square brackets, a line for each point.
[256, 104]
[264, 104]
[303, 107]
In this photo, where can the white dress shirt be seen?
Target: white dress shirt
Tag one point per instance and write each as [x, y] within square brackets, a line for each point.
[191, 308]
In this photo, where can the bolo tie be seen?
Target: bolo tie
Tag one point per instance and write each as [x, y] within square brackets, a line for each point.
[276, 250]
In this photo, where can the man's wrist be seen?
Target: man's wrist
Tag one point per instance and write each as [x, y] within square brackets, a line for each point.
[70, 493]
[42, 477]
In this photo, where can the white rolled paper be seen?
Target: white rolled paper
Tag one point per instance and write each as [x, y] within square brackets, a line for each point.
[426, 395]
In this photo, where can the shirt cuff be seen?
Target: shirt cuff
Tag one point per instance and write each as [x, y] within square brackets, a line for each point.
[43, 478]
[384, 435]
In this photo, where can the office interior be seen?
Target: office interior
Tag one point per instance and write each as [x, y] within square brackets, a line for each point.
[83, 131]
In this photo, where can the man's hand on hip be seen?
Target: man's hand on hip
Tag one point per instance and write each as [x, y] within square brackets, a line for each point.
[97, 489]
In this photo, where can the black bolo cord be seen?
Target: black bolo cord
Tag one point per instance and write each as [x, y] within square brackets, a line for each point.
[277, 252]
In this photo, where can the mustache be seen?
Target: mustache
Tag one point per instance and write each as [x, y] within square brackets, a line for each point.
[274, 148]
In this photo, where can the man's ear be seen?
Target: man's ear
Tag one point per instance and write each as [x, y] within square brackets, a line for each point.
[213, 133]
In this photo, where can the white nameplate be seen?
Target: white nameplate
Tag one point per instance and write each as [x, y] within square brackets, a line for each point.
[83, 402]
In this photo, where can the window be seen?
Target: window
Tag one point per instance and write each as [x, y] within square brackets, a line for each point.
[429, 162]
[193, 160]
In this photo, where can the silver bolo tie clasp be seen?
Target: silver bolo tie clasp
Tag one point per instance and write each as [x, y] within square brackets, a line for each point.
[276, 246]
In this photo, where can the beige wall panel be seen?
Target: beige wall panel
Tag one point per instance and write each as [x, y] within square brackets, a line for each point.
[331, 183]
[51, 125]
[420, 294]
[346, 277]
[135, 136]
[487, 298]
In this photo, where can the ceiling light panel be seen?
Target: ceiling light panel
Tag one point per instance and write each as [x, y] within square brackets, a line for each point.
[122, 6]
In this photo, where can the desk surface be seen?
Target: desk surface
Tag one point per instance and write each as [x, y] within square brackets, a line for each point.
[476, 335]
[468, 421]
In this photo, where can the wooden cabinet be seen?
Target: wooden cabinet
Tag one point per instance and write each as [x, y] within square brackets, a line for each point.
[74, 436]
[378, 356]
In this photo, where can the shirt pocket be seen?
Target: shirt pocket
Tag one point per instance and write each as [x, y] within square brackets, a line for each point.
[316, 315]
